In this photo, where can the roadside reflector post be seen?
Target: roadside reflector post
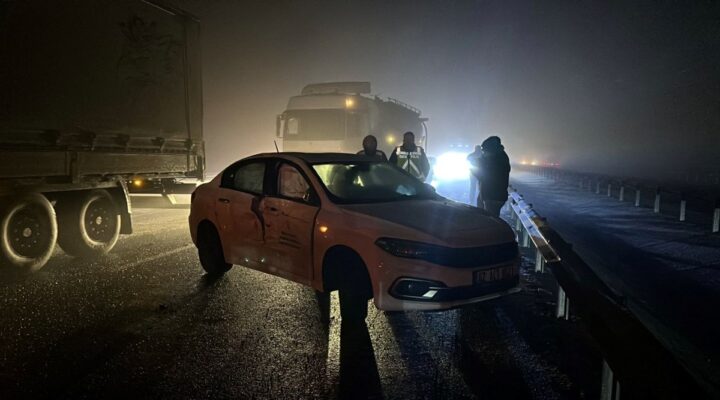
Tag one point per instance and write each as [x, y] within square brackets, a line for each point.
[609, 387]
[622, 192]
[683, 206]
[539, 262]
[656, 208]
[637, 197]
[609, 190]
[597, 187]
[563, 305]
[716, 217]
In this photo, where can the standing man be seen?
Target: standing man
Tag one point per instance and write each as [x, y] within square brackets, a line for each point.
[411, 157]
[474, 161]
[370, 148]
[494, 175]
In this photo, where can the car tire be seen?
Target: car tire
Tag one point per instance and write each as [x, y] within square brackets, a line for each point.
[28, 232]
[89, 223]
[210, 251]
[355, 289]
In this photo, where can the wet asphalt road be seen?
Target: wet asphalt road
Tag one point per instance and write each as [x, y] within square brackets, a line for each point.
[145, 322]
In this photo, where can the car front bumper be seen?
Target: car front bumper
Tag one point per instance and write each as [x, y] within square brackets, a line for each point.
[440, 287]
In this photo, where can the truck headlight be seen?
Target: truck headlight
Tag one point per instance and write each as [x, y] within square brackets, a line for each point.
[451, 166]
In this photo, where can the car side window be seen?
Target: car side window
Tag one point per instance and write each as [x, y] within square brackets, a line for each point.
[292, 184]
[246, 177]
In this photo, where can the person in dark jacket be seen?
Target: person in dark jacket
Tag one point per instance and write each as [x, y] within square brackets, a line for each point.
[411, 157]
[494, 175]
[370, 148]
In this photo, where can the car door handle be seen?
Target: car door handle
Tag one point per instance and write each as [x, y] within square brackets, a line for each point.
[223, 200]
[273, 209]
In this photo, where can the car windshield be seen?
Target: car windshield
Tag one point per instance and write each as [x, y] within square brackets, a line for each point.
[368, 182]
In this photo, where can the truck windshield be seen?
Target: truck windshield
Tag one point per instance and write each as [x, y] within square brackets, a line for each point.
[370, 182]
[315, 125]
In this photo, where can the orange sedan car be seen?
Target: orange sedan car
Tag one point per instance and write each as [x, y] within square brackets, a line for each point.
[354, 224]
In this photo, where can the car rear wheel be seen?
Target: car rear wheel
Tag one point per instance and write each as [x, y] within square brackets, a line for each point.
[210, 250]
[28, 231]
[89, 223]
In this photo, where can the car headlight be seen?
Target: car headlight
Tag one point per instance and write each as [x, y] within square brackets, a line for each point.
[406, 248]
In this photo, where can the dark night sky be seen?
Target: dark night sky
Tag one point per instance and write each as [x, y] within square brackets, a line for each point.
[630, 87]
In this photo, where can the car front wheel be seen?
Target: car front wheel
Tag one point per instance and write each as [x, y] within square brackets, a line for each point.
[354, 287]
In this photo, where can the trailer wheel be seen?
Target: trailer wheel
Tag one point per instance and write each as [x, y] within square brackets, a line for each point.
[28, 231]
[89, 224]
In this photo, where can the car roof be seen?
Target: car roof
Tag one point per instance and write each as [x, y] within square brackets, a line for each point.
[319, 158]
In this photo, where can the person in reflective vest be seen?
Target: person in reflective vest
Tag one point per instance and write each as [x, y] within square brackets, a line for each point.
[411, 157]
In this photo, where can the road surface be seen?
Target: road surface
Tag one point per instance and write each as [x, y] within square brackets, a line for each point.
[145, 322]
[668, 271]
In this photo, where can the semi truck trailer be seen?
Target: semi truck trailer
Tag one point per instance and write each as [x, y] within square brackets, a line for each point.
[94, 97]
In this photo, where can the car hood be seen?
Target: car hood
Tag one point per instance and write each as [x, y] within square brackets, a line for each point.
[443, 219]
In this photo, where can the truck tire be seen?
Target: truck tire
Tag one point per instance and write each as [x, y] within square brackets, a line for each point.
[89, 223]
[210, 251]
[28, 232]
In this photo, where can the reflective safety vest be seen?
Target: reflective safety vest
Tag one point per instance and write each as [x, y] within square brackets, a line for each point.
[410, 161]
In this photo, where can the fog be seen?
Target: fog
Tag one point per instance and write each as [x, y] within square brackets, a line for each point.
[631, 89]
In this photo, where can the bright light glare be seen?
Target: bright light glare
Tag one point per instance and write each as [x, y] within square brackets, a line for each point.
[534, 162]
[452, 166]
[390, 139]
[349, 102]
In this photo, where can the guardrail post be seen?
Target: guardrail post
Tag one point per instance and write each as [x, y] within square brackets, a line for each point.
[525, 238]
[609, 190]
[683, 206]
[518, 223]
[609, 387]
[563, 304]
[656, 208]
[716, 217]
[539, 262]
[622, 192]
[597, 187]
[637, 197]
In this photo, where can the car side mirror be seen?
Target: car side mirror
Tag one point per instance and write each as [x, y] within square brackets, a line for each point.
[310, 197]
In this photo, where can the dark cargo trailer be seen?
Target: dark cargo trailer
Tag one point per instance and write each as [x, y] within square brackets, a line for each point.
[93, 95]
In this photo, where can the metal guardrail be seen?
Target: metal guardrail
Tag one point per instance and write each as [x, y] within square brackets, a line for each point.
[633, 359]
[642, 193]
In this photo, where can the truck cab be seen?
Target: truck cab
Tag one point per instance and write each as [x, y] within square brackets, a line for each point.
[334, 117]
